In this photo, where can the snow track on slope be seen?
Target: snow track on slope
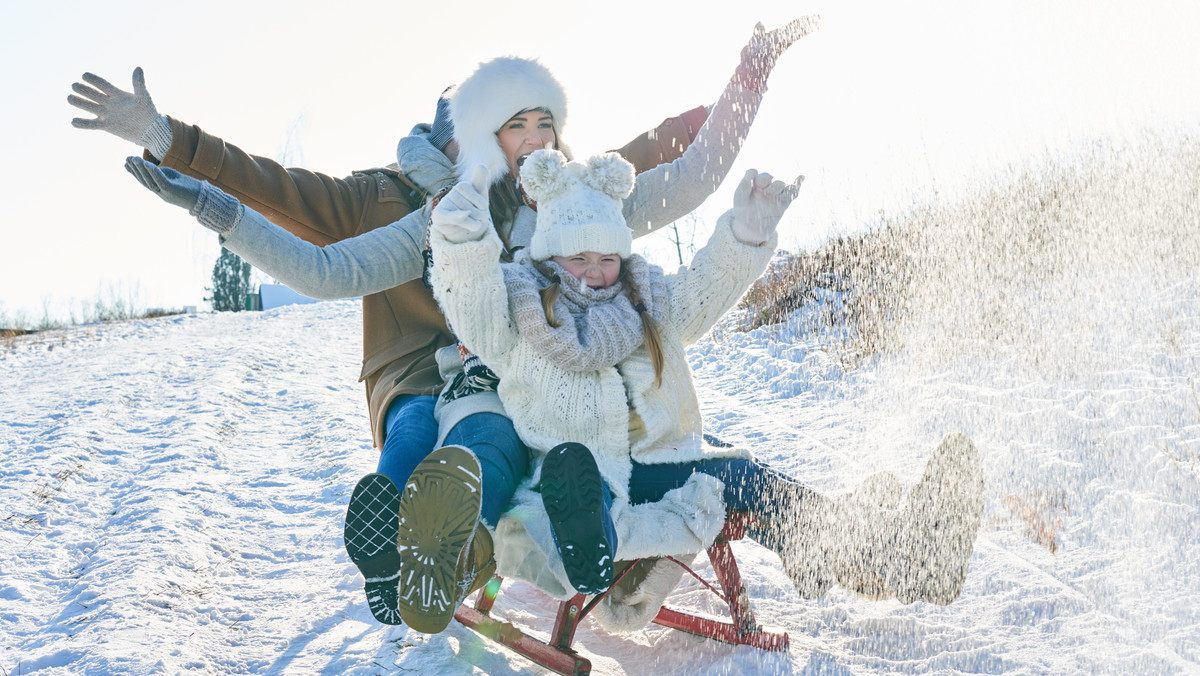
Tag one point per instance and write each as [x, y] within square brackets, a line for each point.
[174, 492]
[178, 490]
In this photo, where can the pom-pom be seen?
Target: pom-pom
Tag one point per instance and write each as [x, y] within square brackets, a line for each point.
[543, 175]
[610, 174]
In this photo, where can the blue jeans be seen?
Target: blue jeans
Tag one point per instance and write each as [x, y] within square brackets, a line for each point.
[749, 486]
[412, 433]
[503, 458]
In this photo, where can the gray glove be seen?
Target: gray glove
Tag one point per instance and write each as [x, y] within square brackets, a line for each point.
[758, 204]
[462, 215]
[759, 55]
[215, 209]
[130, 116]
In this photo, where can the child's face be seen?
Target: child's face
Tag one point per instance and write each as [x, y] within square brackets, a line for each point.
[597, 270]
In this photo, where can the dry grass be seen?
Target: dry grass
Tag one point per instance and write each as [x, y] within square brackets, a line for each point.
[955, 269]
[112, 303]
[17, 329]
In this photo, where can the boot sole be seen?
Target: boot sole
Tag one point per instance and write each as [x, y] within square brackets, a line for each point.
[572, 493]
[438, 512]
[372, 526]
[947, 508]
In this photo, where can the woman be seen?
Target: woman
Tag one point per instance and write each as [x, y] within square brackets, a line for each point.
[445, 559]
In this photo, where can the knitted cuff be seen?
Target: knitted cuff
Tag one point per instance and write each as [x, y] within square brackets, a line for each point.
[157, 137]
[216, 210]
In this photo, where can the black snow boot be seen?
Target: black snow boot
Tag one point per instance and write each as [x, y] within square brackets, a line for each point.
[372, 526]
[573, 495]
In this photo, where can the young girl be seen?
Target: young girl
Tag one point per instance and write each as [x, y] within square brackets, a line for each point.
[588, 342]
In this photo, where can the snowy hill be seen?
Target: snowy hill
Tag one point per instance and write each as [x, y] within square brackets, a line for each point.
[173, 489]
[173, 496]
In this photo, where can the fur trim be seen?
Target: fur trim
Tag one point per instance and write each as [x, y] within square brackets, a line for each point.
[686, 519]
[629, 607]
[684, 522]
[489, 97]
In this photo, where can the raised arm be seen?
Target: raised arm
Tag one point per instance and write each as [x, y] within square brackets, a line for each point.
[314, 206]
[466, 276]
[671, 191]
[736, 255]
[666, 142]
[372, 262]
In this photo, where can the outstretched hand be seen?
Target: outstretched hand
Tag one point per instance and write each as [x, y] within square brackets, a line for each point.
[758, 204]
[172, 186]
[764, 49]
[212, 207]
[127, 115]
[462, 215]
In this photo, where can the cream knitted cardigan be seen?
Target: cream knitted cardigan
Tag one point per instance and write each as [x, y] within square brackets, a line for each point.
[550, 405]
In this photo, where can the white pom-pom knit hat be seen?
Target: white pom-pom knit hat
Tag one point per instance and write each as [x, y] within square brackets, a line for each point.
[491, 96]
[579, 205]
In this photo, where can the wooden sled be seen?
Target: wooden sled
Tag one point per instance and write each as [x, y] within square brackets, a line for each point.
[556, 653]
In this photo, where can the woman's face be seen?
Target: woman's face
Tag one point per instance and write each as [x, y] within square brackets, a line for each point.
[524, 133]
[598, 271]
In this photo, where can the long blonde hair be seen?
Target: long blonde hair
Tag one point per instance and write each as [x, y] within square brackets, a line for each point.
[650, 334]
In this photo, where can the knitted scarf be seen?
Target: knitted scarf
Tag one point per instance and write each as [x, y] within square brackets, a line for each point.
[598, 328]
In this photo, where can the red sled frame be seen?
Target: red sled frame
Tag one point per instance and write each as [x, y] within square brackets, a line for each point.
[557, 655]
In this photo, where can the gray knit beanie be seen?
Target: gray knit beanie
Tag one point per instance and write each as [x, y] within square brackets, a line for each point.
[443, 126]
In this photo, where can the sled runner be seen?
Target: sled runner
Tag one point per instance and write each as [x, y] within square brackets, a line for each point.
[556, 653]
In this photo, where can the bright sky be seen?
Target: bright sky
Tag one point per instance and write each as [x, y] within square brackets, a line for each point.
[885, 104]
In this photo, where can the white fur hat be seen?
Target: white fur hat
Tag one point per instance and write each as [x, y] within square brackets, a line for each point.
[578, 205]
[491, 96]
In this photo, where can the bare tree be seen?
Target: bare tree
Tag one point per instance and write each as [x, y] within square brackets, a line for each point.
[684, 236]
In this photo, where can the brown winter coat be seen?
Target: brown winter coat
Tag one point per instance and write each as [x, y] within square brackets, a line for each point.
[403, 326]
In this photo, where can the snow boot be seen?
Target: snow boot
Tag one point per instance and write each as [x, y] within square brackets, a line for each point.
[372, 526]
[919, 552]
[804, 542]
[935, 534]
[438, 521]
[573, 495]
[477, 565]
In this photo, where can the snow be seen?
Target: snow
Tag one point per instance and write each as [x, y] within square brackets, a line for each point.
[173, 496]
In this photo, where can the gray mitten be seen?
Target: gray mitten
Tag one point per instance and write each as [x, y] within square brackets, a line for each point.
[128, 115]
[215, 209]
[759, 55]
[758, 204]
